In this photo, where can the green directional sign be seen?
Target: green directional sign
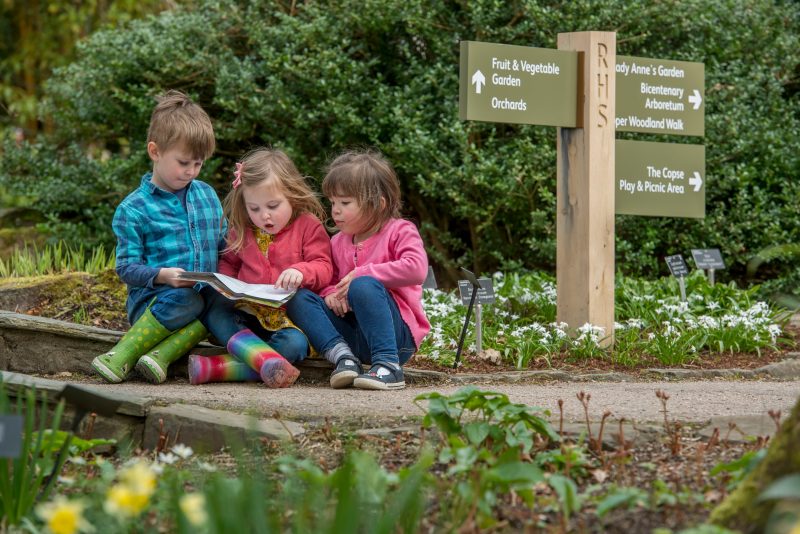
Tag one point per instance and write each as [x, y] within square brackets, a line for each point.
[660, 96]
[660, 179]
[518, 84]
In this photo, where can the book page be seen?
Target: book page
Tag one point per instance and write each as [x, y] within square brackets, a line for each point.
[264, 291]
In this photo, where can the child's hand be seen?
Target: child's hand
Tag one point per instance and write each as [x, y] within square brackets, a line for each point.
[343, 286]
[289, 279]
[338, 306]
[169, 276]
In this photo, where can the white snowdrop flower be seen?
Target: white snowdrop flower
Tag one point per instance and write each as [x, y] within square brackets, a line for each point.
[635, 323]
[692, 349]
[498, 275]
[712, 305]
[157, 468]
[514, 317]
[774, 331]
[619, 326]
[205, 466]
[167, 458]
[651, 336]
[182, 450]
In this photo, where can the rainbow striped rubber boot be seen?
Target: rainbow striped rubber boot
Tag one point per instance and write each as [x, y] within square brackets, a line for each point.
[275, 370]
[145, 334]
[153, 365]
[220, 368]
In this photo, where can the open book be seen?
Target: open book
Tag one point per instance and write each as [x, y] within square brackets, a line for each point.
[266, 294]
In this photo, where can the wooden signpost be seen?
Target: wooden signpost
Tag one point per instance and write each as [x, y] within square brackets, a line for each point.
[513, 84]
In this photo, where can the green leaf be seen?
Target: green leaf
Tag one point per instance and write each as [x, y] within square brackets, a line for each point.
[787, 487]
[619, 497]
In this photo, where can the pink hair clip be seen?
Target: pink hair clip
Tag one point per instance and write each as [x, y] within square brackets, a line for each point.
[238, 174]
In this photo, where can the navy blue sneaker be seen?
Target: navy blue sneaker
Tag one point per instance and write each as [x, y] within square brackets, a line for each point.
[346, 371]
[381, 376]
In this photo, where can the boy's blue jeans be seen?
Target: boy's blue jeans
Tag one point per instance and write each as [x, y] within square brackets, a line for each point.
[175, 307]
[373, 328]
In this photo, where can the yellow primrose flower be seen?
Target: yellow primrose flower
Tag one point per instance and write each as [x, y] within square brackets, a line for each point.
[795, 528]
[193, 507]
[62, 516]
[140, 478]
[122, 500]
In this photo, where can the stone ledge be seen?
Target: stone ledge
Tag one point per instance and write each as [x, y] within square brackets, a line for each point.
[208, 430]
[138, 421]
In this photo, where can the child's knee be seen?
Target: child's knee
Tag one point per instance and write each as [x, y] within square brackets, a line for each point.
[364, 286]
[301, 300]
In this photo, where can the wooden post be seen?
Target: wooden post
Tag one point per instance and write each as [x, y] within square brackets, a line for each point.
[585, 189]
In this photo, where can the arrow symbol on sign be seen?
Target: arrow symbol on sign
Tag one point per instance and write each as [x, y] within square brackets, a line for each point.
[478, 79]
[696, 181]
[694, 98]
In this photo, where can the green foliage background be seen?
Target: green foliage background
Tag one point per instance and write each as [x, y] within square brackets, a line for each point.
[317, 77]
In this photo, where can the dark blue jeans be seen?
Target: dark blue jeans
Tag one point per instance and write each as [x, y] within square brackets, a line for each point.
[174, 308]
[373, 328]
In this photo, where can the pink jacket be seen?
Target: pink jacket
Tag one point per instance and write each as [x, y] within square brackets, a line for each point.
[303, 245]
[396, 257]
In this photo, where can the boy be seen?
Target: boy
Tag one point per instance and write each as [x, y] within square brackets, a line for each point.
[171, 223]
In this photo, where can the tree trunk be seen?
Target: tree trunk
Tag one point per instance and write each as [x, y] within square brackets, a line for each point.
[740, 509]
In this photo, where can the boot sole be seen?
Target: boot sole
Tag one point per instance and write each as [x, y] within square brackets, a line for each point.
[343, 379]
[196, 375]
[151, 370]
[278, 373]
[107, 374]
[368, 383]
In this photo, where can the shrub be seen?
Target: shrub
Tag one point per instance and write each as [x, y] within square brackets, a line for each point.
[317, 77]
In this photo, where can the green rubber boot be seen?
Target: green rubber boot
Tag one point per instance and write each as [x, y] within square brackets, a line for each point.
[145, 334]
[153, 365]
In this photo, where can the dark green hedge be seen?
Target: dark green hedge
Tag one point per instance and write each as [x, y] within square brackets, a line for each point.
[334, 74]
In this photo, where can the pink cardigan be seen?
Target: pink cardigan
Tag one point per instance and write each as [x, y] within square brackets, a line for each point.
[303, 245]
[396, 257]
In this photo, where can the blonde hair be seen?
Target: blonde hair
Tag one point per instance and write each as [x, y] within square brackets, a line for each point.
[257, 167]
[177, 120]
[368, 177]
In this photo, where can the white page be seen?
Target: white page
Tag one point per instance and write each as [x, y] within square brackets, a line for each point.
[266, 291]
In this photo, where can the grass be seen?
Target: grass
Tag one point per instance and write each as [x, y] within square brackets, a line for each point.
[30, 260]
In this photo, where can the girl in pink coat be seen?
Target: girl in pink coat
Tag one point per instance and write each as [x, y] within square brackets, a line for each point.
[371, 313]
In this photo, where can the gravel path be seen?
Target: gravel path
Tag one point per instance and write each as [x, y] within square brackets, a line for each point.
[690, 401]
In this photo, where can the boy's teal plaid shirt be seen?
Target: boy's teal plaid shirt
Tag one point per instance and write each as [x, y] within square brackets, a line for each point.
[154, 229]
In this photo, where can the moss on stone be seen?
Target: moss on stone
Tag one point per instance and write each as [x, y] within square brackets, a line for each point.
[95, 300]
[740, 509]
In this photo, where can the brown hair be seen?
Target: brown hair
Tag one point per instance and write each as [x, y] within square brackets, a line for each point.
[178, 120]
[368, 177]
[258, 166]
